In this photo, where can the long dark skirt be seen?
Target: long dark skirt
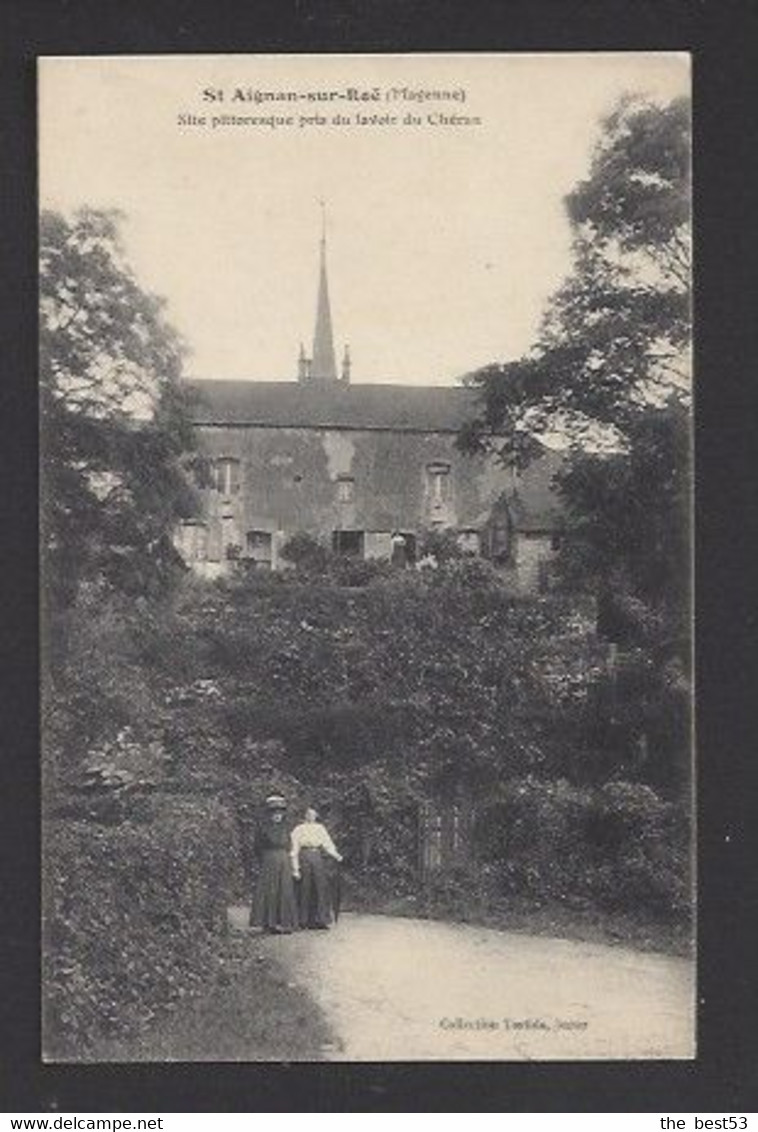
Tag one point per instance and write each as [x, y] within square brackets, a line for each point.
[314, 891]
[274, 905]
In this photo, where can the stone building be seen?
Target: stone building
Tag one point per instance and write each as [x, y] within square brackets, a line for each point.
[364, 468]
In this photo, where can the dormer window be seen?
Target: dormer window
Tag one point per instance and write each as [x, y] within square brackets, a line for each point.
[226, 475]
[438, 482]
[345, 489]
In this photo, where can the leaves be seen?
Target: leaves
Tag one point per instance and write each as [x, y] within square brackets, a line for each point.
[615, 338]
[610, 379]
[123, 764]
[116, 441]
[131, 915]
[368, 702]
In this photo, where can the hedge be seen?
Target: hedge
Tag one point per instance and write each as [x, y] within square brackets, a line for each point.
[131, 917]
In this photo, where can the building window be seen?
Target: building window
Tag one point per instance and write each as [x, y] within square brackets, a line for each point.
[469, 541]
[438, 483]
[194, 541]
[345, 489]
[348, 542]
[258, 548]
[226, 475]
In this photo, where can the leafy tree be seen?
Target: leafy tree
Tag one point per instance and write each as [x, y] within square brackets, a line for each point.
[610, 370]
[115, 439]
[610, 374]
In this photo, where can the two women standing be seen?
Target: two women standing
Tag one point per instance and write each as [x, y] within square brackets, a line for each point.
[280, 905]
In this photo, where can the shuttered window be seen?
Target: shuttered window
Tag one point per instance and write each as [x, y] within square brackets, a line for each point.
[226, 475]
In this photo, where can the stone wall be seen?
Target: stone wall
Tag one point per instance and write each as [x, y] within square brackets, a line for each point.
[269, 483]
[532, 553]
[326, 480]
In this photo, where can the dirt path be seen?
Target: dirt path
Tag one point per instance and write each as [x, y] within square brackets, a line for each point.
[401, 989]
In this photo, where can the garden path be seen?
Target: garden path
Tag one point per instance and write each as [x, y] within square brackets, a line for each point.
[403, 989]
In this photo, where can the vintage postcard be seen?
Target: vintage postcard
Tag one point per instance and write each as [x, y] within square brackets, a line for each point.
[366, 520]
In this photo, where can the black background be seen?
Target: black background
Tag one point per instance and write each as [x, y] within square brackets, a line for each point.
[723, 36]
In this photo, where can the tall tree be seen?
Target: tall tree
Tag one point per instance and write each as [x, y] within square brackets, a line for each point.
[116, 442]
[610, 371]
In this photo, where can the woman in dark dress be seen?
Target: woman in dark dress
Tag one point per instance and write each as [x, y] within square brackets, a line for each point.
[274, 905]
[311, 844]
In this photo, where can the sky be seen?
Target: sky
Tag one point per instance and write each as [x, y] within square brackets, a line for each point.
[444, 241]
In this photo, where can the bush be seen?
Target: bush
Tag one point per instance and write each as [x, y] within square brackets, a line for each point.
[463, 893]
[100, 684]
[313, 560]
[131, 915]
[620, 845]
[442, 546]
[469, 573]
[306, 553]
[116, 665]
[348, 571]
[365, 689]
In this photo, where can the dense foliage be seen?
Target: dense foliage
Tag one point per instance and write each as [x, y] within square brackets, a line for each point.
[610, 372]
[373, 691]
[610, 376]
[133, 912]
[349, 696]
[126, 897]
[115, 436]
[615, 338]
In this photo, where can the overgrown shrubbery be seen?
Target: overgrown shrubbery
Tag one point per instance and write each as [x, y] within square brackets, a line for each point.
[306, 553]
[312, 560]
[347, 677]
[619, 845]
[367, 701]
[136, 877]
[440, 545]
[111, 665]
[418, 683]
[132, 914]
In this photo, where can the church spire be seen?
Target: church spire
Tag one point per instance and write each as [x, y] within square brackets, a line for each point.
[323, 365]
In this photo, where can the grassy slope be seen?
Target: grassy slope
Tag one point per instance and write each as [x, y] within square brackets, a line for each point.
[583, 923]
[250, 1013]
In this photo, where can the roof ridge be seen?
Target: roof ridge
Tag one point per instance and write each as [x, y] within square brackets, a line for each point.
[318, 390]
[380, 405]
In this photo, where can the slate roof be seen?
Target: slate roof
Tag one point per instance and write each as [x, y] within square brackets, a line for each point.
[289, 404]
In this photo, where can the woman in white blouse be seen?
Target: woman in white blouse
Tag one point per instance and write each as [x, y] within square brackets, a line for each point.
[311, 843]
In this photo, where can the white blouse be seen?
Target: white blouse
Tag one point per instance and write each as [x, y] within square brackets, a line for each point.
[311, 835]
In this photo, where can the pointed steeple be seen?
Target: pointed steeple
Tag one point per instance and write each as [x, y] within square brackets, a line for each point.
[323, 364]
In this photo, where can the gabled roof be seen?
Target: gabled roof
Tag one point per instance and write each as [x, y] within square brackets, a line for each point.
[321, 405]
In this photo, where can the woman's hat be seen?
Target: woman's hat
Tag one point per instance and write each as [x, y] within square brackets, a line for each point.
[276, 802]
